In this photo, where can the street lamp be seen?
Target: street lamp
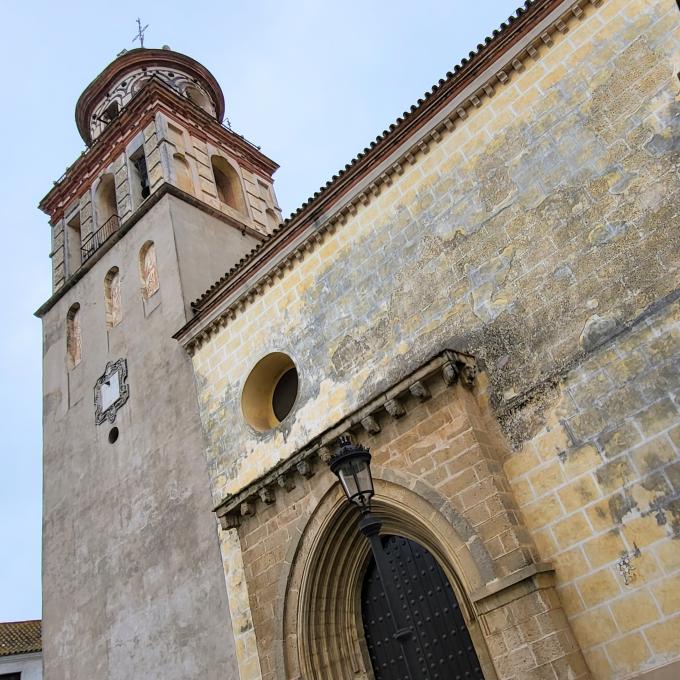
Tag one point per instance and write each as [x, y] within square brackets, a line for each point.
[352, 466]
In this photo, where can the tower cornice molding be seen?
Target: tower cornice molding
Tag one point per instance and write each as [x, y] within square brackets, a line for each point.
[142, 58]
[165, 189]
[155, 97]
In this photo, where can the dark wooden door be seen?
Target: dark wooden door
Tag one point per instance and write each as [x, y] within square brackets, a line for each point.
[439, 647]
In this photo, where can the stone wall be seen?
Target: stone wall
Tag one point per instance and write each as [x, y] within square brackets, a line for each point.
[446, 452]
[133, 584]
[174, 138]
[599, 488]
[540, 235]
[161, 139]
[531, 232]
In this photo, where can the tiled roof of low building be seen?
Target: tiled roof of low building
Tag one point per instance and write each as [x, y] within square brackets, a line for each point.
[20, 637]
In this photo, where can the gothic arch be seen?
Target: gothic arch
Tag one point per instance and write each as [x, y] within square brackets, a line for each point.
[228, 183]
[319, 595]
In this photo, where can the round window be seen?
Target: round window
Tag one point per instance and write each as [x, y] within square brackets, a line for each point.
[270, 391]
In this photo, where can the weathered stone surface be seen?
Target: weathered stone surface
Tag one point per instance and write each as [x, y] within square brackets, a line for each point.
[540, 235]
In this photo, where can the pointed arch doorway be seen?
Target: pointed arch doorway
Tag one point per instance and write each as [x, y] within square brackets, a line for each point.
[321, 593]
[439, 646]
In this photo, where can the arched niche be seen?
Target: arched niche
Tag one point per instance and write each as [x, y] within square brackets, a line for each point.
[199, 98]
[148, 270]
[183, 173]
[273, 220]
[106, 205]
[74, 340]
[322, 632]
[228, 184]
[112, 297]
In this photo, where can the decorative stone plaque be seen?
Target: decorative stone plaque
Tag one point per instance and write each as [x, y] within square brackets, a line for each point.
[111, 391]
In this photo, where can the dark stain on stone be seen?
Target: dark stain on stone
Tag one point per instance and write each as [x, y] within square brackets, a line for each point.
[597, 330]
[51, 402]
[620, 504]
[349, 353]
[657, 483]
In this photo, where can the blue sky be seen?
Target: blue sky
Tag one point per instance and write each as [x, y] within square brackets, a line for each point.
[312, 83]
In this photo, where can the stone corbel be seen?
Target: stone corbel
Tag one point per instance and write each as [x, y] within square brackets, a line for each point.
[468, 372]
[370, 424]
[420, 391]
[325, 454]
[286, 482]
[395, 408]
[460, 366]
[561, 26]
[247, 508]
[450, 373]
[304, 468]
[267, 495]
[230, 521]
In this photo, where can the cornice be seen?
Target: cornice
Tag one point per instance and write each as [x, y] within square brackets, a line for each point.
[449, 366]
[447, 106]
[143, 209]
[153, 98]
[140, 58]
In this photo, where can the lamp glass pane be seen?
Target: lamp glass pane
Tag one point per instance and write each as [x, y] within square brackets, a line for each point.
[347, 479]
[364, 479]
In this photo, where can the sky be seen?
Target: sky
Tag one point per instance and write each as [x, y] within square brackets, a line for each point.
[310, 82]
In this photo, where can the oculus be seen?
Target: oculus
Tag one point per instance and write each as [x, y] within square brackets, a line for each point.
[270, 391]
[110, 391]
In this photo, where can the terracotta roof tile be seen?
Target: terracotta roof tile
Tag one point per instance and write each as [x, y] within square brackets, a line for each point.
[450, 76]
[20, 637]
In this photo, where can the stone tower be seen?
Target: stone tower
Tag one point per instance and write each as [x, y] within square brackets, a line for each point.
[163, 201]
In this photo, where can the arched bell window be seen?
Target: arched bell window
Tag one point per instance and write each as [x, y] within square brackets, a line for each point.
[273, 220]
[105, 199]
[148, 270]
[112, 297]
[199, 98]
[183, 173]
[74, 341]
[228, 184]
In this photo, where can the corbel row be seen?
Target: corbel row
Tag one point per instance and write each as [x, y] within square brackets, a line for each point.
[449, 366]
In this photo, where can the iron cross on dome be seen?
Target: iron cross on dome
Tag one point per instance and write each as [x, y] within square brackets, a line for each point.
[140, 32]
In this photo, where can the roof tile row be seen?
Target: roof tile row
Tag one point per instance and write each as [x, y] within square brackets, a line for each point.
[197, 304]
[20, 637]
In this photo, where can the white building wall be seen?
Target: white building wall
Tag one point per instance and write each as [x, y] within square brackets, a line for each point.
[29, 665]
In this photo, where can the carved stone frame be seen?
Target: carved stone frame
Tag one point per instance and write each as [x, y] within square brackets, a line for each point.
[100, 415]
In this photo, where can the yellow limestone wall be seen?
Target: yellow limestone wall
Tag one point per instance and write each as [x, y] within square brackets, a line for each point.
[541, 235]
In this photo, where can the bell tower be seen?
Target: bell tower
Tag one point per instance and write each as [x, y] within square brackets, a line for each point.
[164, 200]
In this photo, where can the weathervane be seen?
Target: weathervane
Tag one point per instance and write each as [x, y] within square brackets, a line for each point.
[140, 33]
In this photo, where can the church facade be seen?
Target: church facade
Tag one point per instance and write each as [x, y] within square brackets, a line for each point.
[487, 298]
